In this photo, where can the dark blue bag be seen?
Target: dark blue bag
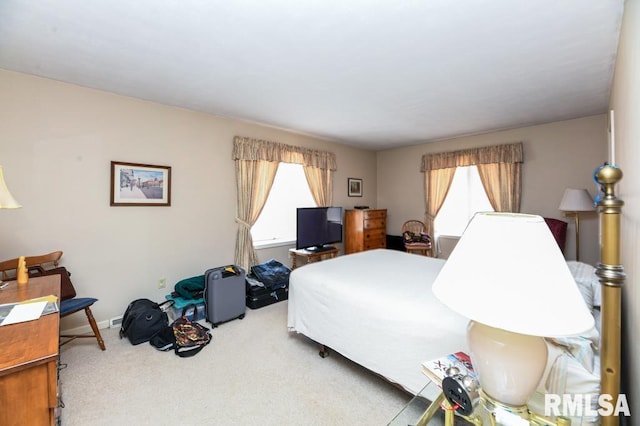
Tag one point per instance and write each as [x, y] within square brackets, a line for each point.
[272, 274]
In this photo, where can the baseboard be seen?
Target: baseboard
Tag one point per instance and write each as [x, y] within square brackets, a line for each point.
[85, 329]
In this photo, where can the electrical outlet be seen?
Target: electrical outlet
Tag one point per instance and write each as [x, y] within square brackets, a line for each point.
[162, 283]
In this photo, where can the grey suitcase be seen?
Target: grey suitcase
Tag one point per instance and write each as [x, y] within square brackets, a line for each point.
[224, 294]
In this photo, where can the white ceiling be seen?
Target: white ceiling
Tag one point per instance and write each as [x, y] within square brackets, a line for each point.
[371, 73]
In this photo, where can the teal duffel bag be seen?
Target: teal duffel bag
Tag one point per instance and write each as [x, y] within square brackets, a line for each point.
[190, 288]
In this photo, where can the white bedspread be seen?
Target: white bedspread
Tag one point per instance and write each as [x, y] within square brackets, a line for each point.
[377, 309]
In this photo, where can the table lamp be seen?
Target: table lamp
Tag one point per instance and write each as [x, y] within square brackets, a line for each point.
[509, 277]
[573, 202]
[6, 199]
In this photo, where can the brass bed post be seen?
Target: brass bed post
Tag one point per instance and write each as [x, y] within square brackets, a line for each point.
[612, 277]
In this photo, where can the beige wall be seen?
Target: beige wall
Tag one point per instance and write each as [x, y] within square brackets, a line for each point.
[56, 145]
[625, 101]
[557, 156]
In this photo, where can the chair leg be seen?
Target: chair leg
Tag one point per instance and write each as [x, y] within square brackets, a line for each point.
[419, 250]
[94, 327]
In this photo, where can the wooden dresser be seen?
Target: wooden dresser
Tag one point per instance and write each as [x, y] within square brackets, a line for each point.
[29, 359]
[365, 230]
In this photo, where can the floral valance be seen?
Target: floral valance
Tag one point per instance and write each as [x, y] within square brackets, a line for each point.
[509, 153]
[256, 150]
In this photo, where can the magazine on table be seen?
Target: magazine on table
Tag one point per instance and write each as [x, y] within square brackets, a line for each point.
[437, 369]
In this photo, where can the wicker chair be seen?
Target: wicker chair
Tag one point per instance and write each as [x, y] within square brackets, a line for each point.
[419, 245]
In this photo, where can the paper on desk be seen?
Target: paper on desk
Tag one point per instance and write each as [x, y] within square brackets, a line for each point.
[24, 312]
[49, 298]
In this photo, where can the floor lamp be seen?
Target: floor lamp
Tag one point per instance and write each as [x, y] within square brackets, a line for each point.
[573, 202]
[6, 199]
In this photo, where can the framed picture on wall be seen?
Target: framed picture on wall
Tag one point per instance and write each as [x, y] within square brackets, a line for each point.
[355, 187]
[134, 184]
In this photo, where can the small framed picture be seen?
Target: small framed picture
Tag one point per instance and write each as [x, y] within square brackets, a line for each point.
[355, 187]
[134, 184]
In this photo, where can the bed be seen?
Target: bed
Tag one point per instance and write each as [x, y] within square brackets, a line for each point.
[377, 309]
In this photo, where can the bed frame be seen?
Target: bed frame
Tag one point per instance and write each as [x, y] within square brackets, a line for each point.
[612, 277]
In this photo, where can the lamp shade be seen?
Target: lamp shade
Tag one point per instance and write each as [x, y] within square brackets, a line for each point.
[6, 199]
[507, 272]
[576, 200]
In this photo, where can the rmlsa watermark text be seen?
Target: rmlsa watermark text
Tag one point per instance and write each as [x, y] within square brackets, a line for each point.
[585, 405]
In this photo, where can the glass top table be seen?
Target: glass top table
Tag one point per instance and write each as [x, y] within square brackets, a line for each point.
[411, 414]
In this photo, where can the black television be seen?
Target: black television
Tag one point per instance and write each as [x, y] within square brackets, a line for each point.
[317, 227]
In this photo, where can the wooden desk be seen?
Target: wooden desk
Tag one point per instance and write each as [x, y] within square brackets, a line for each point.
[29, 359]
[311, 256]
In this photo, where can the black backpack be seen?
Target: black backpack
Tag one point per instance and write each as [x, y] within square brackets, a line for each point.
[142, 319]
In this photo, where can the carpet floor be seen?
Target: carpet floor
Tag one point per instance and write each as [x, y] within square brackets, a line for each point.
[254, 372]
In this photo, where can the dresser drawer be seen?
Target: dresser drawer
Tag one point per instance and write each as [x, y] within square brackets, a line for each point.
[375, 243]
[375, 234]
[375, 223]
[375, 214]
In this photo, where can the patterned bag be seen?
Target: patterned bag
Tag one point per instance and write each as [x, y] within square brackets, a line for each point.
[190, 336]
[416, 238]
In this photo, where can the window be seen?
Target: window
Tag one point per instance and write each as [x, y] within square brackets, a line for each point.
[277, 222]
[466, 197]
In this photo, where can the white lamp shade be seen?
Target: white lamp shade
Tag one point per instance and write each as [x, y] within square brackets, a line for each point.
[507, 272]
[6, 199]
[576, 200]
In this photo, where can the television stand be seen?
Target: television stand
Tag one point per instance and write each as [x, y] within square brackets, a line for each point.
[319, 249]
[326, 252]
